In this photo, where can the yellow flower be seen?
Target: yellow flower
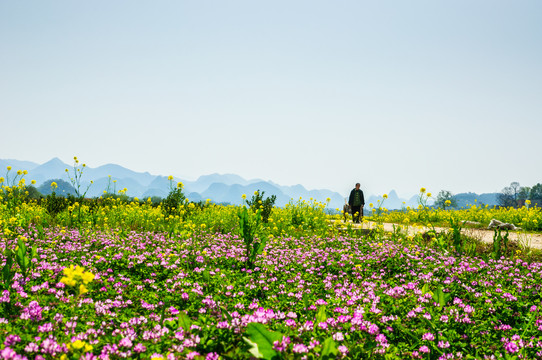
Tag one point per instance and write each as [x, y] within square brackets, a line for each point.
[82, 289]
[447, 203]
[1, 180]
[33, 182]
[25, 172]
[9, 168]
[244, 196]
[54, 185]
[180, 185]
[428, 194]
[87, 277]
[527, 202]
[170, 177]
[76, 345]
[422, 190]
[256, 192]
[385, 196]
[68, 281]
[19, 172]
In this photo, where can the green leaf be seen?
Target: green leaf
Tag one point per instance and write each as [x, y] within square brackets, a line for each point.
[206, 275]
[253, 348]
[184, 321]
[261, 245]
[329, 349]
[321, 316]
[264, 339]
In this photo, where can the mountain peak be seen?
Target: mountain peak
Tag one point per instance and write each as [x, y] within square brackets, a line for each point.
[54, 160]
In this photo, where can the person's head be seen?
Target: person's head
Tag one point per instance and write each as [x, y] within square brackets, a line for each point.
[357, 186]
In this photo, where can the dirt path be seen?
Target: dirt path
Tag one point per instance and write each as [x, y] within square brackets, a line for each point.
[526, 239]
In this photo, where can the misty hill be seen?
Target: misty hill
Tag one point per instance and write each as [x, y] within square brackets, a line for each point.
[468, 199]
[63, 188]
[393, 202]
[220, 188]
[16, 165]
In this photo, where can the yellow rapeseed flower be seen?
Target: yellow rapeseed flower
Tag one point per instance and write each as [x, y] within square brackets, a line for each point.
[87, 277]
[33, 182]
[9, 168]
[82, 289]
[170, 177]
[422, 190]
[54, 185]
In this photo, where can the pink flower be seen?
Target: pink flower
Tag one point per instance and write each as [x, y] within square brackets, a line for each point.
[511, 347]
[343, 350]
[428, 337]
[300, 348]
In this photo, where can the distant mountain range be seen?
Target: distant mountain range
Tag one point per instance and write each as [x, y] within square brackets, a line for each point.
[219, 188]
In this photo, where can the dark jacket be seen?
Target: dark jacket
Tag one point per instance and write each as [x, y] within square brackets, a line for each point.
[351, 198]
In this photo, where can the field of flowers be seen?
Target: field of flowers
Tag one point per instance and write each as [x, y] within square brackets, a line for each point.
[527, 217]
[112, 278]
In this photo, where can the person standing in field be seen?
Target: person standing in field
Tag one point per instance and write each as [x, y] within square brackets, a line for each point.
[356, 202]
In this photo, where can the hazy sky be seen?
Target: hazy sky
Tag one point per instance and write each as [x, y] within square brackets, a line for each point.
[393, 94]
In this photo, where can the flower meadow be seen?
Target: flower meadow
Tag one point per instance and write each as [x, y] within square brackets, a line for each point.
[114, 279]
[105, 294]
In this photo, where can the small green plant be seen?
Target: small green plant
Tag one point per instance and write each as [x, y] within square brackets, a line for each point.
[24, 255]
[172, 204]
[266, 205]
[500, 243]
[76, 178]
[55, 204]
[458, 242]
[248, 228]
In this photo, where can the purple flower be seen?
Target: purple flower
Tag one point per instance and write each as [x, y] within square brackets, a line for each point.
[300, 348]
[192, 355]
[139, 348]
[424, 349]
[511, 347]
[428, 337]
[212, 356]
[12, 340]
[125, 342]
[373, 329]
[343, 350]
[290, 322]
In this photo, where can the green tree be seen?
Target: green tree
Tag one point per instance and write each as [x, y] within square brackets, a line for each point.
[509, 195]
[536, 192]
[64, 188]
[445, 199]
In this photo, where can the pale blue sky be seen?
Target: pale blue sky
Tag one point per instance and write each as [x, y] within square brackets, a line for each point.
[393, 94]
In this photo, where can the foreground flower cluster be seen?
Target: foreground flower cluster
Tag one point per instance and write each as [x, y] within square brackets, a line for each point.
[113, 295]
